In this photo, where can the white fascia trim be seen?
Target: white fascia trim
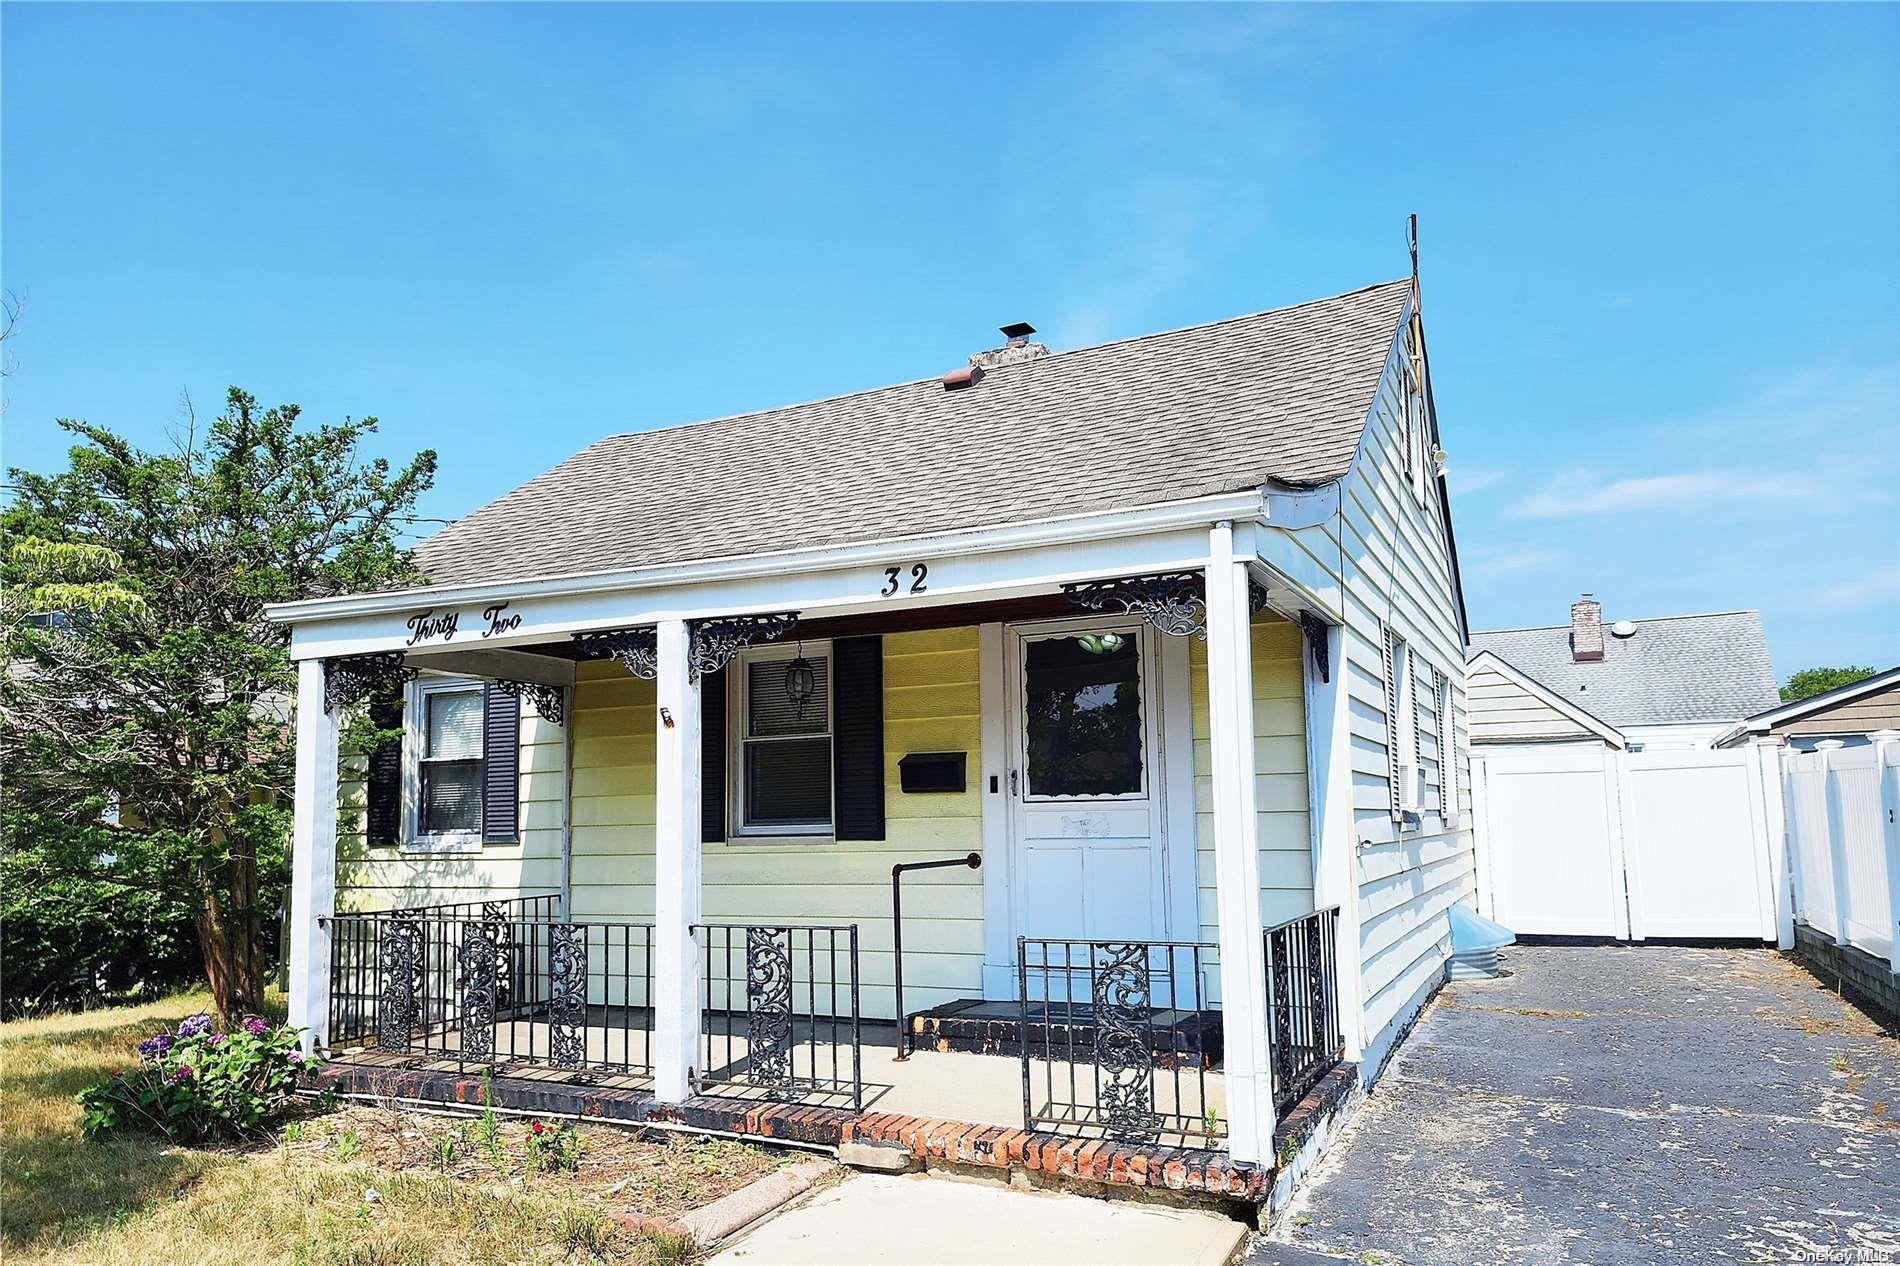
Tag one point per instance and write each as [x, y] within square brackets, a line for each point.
[1237, 506]
[1602, 729]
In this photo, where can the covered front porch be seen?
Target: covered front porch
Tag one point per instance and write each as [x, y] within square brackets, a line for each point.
[1079, 899]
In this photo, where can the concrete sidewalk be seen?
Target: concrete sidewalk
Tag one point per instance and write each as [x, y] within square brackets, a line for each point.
[1619, 1104]
[933, 1221]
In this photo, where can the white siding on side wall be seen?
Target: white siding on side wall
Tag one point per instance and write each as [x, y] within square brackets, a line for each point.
[1395, 570]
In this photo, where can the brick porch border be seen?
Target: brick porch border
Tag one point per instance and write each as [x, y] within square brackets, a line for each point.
[925, 1138]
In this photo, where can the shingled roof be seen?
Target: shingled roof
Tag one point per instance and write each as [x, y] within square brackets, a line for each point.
[1677, 669]
[1278, 396]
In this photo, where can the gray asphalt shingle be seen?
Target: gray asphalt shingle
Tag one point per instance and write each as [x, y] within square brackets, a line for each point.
[1680, 668]
[1276, 396]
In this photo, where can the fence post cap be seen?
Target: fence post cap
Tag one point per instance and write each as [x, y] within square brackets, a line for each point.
[1883, 736]
[1829, 745]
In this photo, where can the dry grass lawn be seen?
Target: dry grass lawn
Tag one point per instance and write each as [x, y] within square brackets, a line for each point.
[361, 1185]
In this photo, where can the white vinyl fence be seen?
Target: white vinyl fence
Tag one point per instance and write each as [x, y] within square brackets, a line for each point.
[1844, 843]
[1582, 840]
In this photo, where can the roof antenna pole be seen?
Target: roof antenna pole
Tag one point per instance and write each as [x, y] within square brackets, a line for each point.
[1411, 241]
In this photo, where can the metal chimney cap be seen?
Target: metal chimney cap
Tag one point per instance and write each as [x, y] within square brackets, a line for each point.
[1017, 329]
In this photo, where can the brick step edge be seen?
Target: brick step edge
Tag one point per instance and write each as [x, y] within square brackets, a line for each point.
[1147, 1165]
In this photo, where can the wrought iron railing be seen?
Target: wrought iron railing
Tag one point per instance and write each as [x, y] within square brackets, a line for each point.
[1119, 1039]
[781, 1012]
[1303, 1032]
[494, 984]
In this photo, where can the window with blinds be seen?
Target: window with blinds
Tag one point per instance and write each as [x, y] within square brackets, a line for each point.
[450, 763]
[785, 742]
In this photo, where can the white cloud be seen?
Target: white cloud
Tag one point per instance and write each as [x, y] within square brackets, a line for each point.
[1469, 479]
[1582, 493]
[1514, 562]
[1877, 585]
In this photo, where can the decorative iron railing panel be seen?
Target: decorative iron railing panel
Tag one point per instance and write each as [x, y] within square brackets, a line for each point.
[781, 1017]
[1119, 1039]
[494, 984]
[1303, 1034]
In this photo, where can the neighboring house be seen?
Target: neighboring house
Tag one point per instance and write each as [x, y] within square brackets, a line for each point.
[1848, 713]
[1166, 634]
[1675, 682]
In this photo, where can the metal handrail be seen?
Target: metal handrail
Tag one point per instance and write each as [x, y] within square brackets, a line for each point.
[974, 861]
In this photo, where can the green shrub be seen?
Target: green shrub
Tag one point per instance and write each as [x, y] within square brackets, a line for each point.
[197, 1084]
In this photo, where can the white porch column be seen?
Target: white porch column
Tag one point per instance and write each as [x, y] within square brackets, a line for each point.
[312, 859]
[1237, 853]
[1336, 845]
[676, 879]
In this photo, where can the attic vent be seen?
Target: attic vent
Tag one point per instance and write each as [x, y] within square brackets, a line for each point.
[1624, 628]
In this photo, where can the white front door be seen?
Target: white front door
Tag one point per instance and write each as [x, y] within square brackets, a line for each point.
[1085, 781]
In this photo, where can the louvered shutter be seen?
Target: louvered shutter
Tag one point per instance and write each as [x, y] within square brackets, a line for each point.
[1447, 752]
[383, 789]
[501, 765]
[857, 738]
[712, 757]
[1392, 762]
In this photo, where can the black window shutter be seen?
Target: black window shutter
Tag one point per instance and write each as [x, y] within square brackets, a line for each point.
[383, 795]
[857, 737]
[501, 765]
[712, 757]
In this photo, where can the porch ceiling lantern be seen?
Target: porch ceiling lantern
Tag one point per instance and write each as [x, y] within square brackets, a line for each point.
[349, 679]
[714, 642]
[549, 701]
[638, 650]
[1174, 602]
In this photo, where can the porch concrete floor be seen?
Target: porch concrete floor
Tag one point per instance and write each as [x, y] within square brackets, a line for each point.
[1619, 1104]
[944, 1085]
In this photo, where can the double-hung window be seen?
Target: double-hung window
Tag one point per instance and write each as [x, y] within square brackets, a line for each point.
[445, 799]
[782, 740]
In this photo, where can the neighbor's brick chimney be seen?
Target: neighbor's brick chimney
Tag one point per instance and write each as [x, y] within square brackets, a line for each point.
[1586, 630]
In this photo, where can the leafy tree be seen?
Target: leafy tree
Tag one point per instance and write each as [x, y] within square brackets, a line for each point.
[1810, 682]
[140, 666]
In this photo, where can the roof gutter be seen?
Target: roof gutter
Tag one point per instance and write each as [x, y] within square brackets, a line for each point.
[1247, 505]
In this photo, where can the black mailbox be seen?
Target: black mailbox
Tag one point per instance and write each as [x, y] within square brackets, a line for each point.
[932, 771]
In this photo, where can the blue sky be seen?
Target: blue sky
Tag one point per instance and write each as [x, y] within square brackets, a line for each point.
[1661, 261]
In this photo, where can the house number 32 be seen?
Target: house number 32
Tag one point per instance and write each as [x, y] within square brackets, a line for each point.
[894, 579]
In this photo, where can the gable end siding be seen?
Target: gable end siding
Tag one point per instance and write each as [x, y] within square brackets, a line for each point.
[1393, 562]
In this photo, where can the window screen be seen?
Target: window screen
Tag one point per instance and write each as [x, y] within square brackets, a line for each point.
[787, 742]
[451, 765]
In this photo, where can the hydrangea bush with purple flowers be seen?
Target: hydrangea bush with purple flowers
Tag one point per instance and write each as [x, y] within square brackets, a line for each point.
[196, 1084]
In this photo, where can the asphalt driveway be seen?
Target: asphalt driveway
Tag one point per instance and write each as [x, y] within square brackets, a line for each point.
[1619, 1104]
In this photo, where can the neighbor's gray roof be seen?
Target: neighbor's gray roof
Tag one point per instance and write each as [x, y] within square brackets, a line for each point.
[1280, 395]
[1676, 669]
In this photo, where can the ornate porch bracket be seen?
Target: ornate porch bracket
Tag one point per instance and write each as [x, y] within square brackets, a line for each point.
[550, 702]
[1314, 629]
[713, 643]
[349, 679]
[1256, 596]
[1173, 602]
[638, 650]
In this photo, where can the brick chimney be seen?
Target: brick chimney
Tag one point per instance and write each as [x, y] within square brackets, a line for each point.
[1586, 630]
